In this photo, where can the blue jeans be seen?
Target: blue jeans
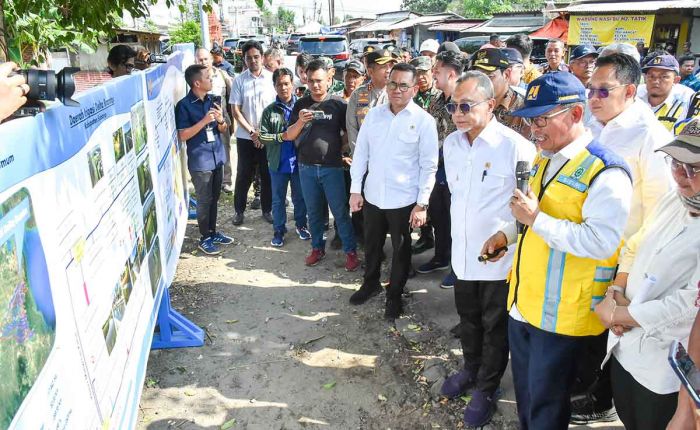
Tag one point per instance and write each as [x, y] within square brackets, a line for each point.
[279, 196]
[318, 182]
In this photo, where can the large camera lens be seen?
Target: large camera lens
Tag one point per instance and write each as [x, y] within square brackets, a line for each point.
[48, 85]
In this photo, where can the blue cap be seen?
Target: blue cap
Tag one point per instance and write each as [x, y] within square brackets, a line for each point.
[666, 62]
[581, 51]
[550, 90]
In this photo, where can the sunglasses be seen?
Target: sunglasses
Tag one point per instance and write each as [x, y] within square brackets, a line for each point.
[603, 93]
[679, 167]
[463, 107]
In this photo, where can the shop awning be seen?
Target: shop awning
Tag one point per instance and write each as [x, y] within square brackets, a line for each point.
[558, 28]
[374, 26]
[630, 6]
[508, 25]
[419, 20]
[455, 26]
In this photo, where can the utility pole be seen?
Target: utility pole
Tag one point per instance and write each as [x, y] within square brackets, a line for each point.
[204, 27]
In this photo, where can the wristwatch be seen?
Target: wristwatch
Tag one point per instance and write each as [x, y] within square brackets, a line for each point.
[422, 206]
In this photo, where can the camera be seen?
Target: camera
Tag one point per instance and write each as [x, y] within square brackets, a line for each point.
[47, 85]
[157, 58]
[318, 114]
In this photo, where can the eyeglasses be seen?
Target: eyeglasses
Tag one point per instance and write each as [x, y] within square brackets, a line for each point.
[402, 87]
[679, 167]
[463, 107]
[129, 66]
[603, 93]
[541, 121]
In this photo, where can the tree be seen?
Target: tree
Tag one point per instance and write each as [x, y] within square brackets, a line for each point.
[186, 32]
[285, 19]
[486, 8]
[425, 6]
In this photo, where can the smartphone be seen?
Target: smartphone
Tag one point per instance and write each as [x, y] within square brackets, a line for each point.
[684, 367]
[216, 100]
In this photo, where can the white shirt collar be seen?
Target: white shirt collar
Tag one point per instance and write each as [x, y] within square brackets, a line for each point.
[572, 149]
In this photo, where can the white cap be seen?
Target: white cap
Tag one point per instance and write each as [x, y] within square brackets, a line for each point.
[431, 45]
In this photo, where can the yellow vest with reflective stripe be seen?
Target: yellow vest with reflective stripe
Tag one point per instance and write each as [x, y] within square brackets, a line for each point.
[554, 290]
[668, 115]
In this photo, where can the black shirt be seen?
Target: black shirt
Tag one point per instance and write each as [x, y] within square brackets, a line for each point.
[320, 141]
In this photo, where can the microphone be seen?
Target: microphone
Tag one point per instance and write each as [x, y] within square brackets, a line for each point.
[522, 178]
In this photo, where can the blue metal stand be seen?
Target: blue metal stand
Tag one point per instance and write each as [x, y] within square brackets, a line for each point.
[192, 210]
[174, 330]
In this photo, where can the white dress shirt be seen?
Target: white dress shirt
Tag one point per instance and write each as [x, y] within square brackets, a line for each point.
[253, 95]
[600, 233]
[401, 154]
[480, 201]
[663, 262]
[634, 135]
[679, 93]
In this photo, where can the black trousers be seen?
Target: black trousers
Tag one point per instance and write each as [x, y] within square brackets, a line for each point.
[638, 407]
[377, 223]
[591, 380]
[251, 159]
[357, 220]
[439, 213]
[207, 186]
[483, 317]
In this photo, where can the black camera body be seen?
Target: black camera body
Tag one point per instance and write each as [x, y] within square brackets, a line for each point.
[47, 85]
[157, 58]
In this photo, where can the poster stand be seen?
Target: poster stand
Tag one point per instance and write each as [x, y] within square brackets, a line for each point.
[173, 330]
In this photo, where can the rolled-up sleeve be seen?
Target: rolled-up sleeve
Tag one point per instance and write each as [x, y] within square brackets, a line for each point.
[605, 214]
[428, 161]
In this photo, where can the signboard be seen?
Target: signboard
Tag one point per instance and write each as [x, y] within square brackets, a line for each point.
[93, 210]
[606, 29]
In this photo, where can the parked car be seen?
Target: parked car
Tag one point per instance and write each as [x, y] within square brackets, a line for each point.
[238, 57]
[280, 40]
[357, 46]
[293, 43]
[332, 46]
[229, 48]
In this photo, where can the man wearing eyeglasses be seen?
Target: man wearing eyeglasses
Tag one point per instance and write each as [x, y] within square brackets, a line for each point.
[494, 64]
[480, 163]
[626, 126]
[397, 148]
[582, 63]
[663, 92]
[572, 218]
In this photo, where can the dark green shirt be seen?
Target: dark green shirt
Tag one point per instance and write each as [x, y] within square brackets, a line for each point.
[272, 125]
[423, 99]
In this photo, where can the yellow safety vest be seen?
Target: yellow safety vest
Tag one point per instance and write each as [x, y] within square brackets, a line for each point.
[669, 115]
[554, 290]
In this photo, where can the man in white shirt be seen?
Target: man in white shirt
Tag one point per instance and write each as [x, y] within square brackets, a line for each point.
[398, 149]
[626, 126]
[480, 163]
[663, 92]
[572, 222]
[252, 92]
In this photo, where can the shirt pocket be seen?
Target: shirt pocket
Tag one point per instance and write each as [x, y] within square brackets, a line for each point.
[407, 142]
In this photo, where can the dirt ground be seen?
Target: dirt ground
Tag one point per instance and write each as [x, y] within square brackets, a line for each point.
[285, 350]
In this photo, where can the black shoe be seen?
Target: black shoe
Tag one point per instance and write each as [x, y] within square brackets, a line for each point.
[255, 204]
[336, 243]
[422, 245]
[267, 216]
[457, 330]
[238, 218]
[393, 309]
[584, 411]
[364, 293]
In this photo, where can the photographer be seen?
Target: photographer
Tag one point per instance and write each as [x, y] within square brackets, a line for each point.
[13, 90]
[199, 123]
[121, 60]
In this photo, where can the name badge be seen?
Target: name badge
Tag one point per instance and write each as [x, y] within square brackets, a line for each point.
[210, 135]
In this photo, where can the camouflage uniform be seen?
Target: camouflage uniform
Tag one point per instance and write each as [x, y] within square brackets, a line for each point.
[424, 99]
[512, 101]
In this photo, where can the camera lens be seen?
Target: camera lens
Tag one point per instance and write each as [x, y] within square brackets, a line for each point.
[48, 85]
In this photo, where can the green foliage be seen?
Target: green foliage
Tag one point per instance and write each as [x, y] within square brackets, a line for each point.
[285, 19]
[425, 6]
[188, 31]
[486, 8]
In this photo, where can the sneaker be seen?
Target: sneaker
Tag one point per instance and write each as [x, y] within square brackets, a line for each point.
[364, 293]
[207, 246]
[221, 239]
[267, 216]
[584, 412]
[479, 410]
[458, 384]
[238, 218]
[432, 266]
[423, 244]
[228, 189]
[336, 243]
[278, 239]
[393, 308]
[449, 282]
[315, 257]
[255, 204]
[351, 261]
[303, 233]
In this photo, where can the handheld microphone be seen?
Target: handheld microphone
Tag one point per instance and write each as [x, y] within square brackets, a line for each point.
[522, 178]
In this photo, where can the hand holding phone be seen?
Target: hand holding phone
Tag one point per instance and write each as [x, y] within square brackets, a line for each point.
[686, 371]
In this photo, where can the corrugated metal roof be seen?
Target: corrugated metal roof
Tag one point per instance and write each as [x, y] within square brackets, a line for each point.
[375, 26]
[454, 26]
[410, 22]
[487, 29]
[630, 6]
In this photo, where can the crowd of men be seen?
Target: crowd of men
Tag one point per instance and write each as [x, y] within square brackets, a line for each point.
[562, 209]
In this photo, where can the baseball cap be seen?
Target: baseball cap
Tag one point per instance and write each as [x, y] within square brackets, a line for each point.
[581, 51]
[512, 55]
[369, 48]
[380, 57]
[328, 62]
[489, 60]
[422, 63]
[550, 90]
[355, 65]
[430, 45]
[686, 146]
[666, 62]
[449, 46]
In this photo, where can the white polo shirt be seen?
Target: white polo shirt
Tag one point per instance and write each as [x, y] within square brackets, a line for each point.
[480, 200]
[253, 95]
